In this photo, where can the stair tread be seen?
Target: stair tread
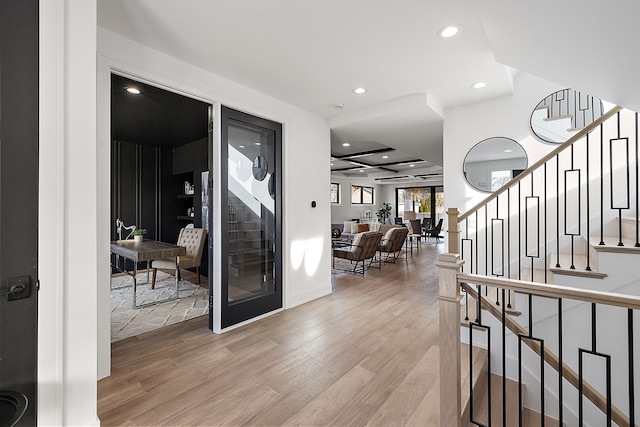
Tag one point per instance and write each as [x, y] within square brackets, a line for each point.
[579, 262]
[611, 245]
[529, 418]
[562, 117]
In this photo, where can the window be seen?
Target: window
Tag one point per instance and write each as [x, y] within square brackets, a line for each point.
[361, 195]
[335, 193]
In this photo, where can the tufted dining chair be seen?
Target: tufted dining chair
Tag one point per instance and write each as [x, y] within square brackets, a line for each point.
[193, 240]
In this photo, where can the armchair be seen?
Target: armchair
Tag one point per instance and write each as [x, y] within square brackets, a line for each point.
[392, 244]
[434, 231]
[191, 238]
[363, 248]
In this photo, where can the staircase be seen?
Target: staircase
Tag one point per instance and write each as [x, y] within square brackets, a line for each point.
[247, 243]
[548, 262]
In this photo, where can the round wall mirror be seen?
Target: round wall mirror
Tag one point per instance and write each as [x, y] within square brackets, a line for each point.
[562, 114]
[260, 167]
[493, 162]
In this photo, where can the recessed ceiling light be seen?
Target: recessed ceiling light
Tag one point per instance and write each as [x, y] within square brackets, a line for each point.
[361, 170]
[331, 164]
[411, 166]
[385, 157]
[508, 151]
[133, 90]
[449, 31]
[346, 144]
[241, 146]
[257, 143]
[359, 90]
[479, 85]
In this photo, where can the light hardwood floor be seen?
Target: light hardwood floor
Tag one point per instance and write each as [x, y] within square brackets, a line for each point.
[365, 355]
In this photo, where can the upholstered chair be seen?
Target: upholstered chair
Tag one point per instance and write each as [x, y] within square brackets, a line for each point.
[362, 249]
[392, 242]
[193, 240]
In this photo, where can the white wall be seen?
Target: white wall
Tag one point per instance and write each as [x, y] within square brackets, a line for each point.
[305, 137]
[67, 214]
[345, 211]
[503, 117]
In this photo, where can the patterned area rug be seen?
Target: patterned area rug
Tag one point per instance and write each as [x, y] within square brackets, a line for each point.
[127, 321]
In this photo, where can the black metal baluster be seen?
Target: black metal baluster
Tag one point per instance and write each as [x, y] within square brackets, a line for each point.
[509, 242]
[466, 294]
[560, 373]
[601, 186]
[486, 247]
[558, 210]
[637, 188]
[504, 364]
[632, 399]
[588, 268]
[619, 140]
[493, 252]
[572, 267]
[519, 234]
[477, 224]
[545, 224]
[537, 225]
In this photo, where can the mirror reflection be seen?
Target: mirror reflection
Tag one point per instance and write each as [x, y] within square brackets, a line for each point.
[260, 168]
[493, 162]
[562, 114]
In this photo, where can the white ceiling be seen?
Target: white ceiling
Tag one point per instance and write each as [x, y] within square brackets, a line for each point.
[313, 54]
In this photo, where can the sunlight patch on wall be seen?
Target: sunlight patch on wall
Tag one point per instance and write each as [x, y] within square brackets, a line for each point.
[310, 251]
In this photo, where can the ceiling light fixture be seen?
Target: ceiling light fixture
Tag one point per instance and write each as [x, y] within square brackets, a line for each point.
[385, 157]
[449, 31]
[133, 90]
[338, 106]
[479, 85]
[241, 146]
[359, 90]
[346, 144]
[257, 143]
[508, 151]
[361, 170]
[411, 166]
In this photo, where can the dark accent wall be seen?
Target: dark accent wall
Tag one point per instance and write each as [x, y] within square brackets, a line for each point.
[147, 188]
[189, 161]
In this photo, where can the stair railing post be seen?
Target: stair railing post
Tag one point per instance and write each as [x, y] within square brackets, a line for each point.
[453, 230]
[449, 305]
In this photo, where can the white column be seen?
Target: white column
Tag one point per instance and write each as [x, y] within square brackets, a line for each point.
[67, 254]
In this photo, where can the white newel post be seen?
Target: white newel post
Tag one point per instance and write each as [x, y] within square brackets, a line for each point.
[453, 230]
[449, 305]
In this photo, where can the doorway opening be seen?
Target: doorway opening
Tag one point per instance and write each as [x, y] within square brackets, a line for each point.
[160, 151]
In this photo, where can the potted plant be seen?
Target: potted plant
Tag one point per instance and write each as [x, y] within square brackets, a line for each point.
[138, 233]
[384, 212]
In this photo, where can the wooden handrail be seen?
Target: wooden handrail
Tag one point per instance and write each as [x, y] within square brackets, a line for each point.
[587, 129]
[553, 291]
[569, 374]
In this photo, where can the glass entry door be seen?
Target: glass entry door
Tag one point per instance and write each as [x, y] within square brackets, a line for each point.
[251, 216]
